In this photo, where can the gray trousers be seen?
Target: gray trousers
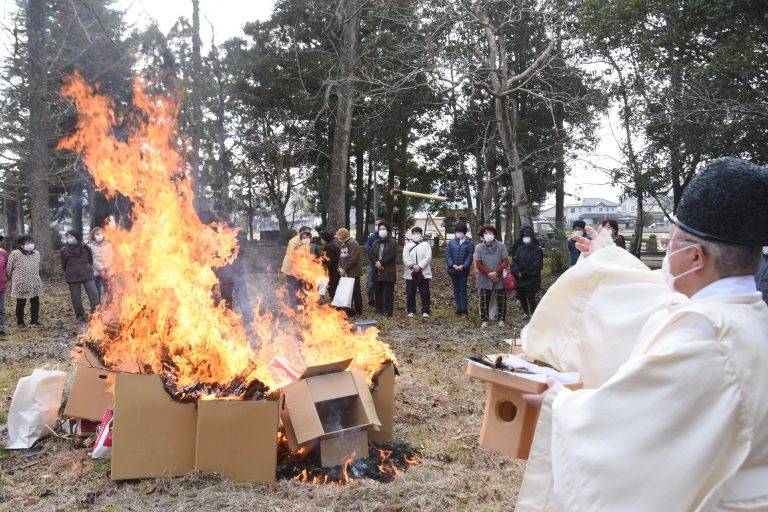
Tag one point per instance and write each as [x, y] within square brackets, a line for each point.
[77, 301]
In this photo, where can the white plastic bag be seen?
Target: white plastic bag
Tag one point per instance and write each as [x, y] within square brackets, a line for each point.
[34, 408]
[322, 287]
[102, 448]
[343, 297]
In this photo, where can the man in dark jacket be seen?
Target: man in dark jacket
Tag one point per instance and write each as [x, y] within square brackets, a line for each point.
[369, 243]
[526, 267]
[519, 240]
[331, 261]
[77, 262]
[458, 256]
[350, 265]
[383, 257]
[579, 227]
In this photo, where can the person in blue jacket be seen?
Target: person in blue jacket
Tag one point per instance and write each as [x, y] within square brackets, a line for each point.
[458, 256]
[579, 227]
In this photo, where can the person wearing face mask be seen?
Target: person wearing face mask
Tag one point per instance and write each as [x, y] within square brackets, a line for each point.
[526, 267]
[761, 278]
[519, 240]
[299, 246]
[351, 265]
[383, 258]
[102, 260]
[578, 229]
[458, 257]
[3, 285]
[683, 423]
[77, 262]
[490, 260]
[612, 228]
[417, 259]
[24, 270]
[368, 245]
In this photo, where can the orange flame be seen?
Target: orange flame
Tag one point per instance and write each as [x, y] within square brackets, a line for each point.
[161, 317]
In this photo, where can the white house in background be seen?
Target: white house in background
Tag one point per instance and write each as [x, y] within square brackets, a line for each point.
[654, 213]
[592, 210]
[547, 213]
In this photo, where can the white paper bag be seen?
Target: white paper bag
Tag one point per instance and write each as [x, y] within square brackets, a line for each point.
[34, 407]
[343, 297]
[322, 287]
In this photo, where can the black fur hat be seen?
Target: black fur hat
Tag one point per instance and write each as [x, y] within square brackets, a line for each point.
[727, 202]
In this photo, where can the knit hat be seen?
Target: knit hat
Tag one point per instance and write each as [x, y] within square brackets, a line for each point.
[487, 226]
[726, 202]
[342, 233]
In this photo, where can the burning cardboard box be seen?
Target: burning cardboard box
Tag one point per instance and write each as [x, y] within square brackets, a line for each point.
[91, 392]
[509, 423]
[332, 407]
[383, 393]
[154, 435]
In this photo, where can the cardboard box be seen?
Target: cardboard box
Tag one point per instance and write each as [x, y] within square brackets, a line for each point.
[509, 423]
[384, 400]
[152, 435]
[91, 392]
[332, 406]
[238, 439]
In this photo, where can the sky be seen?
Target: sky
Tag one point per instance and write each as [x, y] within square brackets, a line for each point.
[228, 17]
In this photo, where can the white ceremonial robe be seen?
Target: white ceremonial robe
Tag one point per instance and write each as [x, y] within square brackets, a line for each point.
[589, 319]
[681, 426]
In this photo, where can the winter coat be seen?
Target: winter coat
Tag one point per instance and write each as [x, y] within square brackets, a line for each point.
[3, 266]
[371, 238]
[519, 240]
[459, 254]
[526, 266]
[332, 255]
[387, 272]
[761, 278]
[287, 261]
[102, 257]
[349, 257]
[77, 262]
[620, 241]
[417, 254]
[490, 259]
[24, 269]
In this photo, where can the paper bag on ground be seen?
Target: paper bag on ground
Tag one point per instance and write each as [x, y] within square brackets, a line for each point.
[343, 297]
[34, 407]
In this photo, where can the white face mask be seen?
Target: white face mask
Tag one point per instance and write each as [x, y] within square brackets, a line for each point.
[99, 238]
[608, 230]
[526, 239]
[29, 247]
[668, 277]
[460, 235]
[305, 241]
[416, 237]
[488, 237]
[765, 250]
[382, 233]
[578, 233]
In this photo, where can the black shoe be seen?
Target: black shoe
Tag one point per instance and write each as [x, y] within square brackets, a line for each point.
[35, 324]
[371, 303]
[2, 333]
[22, 325]
[81, 319]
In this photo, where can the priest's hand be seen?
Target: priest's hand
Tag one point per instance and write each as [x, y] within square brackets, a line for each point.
[584, 244]
[536, 399]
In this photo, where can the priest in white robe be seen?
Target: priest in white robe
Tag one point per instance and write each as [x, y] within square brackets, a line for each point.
[682, 425]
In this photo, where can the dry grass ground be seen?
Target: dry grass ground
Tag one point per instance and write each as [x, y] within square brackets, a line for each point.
[438, 411]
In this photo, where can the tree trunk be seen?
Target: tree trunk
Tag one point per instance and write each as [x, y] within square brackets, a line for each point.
[196, 123]
[350, 17]
[38, 130]
[77, 200]
[225, 202]
[360, 197]
[249, 196]
[509, 231]
[559, 169]
[369, 194]
[11, 208]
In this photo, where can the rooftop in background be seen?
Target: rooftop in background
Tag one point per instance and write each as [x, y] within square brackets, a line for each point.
[593, 201]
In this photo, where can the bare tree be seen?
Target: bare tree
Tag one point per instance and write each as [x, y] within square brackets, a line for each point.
[349, 19]
[197, 115]
[38, 131]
